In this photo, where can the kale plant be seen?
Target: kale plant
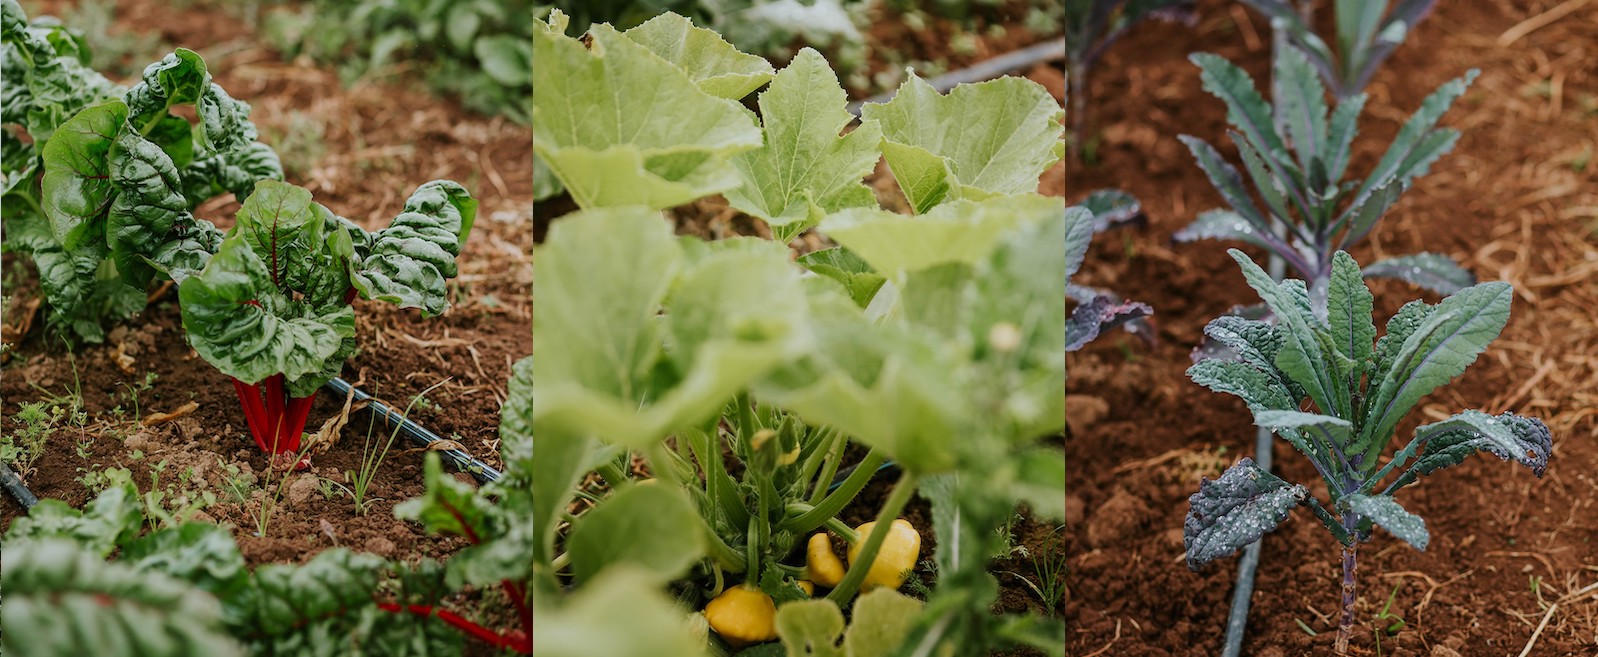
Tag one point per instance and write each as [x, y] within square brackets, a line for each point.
[1296, 153]
[1367, 34]
[1097, 310]
[1359, 394]
[1090, 27]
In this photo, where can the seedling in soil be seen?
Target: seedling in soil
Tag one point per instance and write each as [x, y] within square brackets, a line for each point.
[22, 446]
[1359, 394]
[372, 457]
[1296, 155]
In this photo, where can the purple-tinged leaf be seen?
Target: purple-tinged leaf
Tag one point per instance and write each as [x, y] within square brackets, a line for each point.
[1235, 510]
[1525, 440]
[1112, 208]
[1100, 314]
[1433, 271]
[1222, 225]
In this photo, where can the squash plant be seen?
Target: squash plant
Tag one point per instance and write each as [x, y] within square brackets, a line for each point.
[1357, 395]
[932, 341]
[271, 309]
[97, 177]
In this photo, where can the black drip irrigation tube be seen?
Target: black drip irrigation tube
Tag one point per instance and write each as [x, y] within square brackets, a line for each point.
[1249, 565]
[416, 433]
[1047, 51]
[13, 485]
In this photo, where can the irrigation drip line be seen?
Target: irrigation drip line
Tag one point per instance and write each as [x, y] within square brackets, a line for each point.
[13, 485]
[843, 473]
[1249, 565]
[483, 472]
[1047, 51]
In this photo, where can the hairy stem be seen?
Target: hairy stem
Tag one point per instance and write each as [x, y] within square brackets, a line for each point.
[834, 502]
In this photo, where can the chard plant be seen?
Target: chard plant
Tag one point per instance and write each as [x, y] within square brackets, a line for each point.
[930, 341]
[1358, 389]
[1297, 153]
[1367, 33]
[271, 309]
[1097, 310]
[184, 590]
[1091, 27]
[97, 177]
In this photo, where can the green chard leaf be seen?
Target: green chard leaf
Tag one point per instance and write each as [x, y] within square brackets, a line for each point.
[408, 263]
[980, 140]
[77, 187]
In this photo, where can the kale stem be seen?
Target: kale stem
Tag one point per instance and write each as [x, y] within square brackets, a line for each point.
[1345, 627]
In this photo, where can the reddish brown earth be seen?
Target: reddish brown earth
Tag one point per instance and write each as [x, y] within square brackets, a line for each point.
[1517, 200]
[381, 139]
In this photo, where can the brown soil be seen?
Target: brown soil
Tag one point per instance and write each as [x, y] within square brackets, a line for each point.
[1515, 201]
[381, 139]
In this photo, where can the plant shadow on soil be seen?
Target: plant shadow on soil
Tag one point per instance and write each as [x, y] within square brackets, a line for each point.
[1507, 203]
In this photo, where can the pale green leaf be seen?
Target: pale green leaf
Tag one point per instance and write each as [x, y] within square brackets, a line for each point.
[715, 65]
[994, 137]
[961, 231]
[805, 169]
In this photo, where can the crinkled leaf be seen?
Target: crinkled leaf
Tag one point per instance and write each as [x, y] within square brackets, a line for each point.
[1433, 271]
[1301, 355]
[1386, 512]
[408, 263]
[146, 208]
[1526, 440]
[715, 65]
[240, 322]
[1228, 513]
[65, 600]
[1349, 306]
[1457, 331]
[76, 187]
[234, 171]
[1103, 313]
[110, 519]
[805, 169]
[994, 137]
[621, 126]
[1300, 103]
[1226, 180]
[1418, 144]
[198, 552]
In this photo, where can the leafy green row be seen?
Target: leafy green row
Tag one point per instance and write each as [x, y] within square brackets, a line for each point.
[64, 206]
[185, 590]
[474, 50]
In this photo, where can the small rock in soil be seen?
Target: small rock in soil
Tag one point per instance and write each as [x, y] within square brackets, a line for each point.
[140, 441]
[301, 490]
[1117, 519]
[1440, 650]
[1084, 411]
[380, 546]
[1075, 510]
